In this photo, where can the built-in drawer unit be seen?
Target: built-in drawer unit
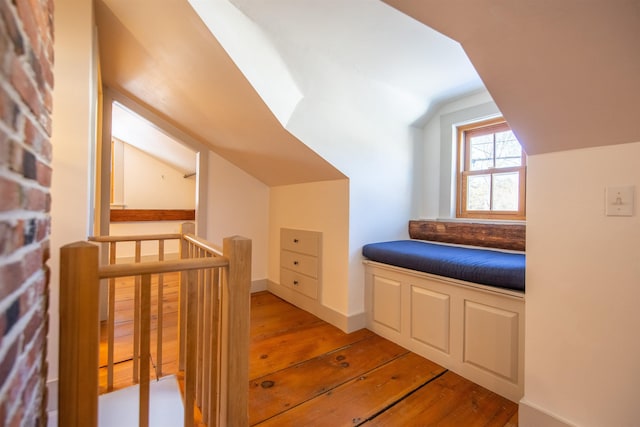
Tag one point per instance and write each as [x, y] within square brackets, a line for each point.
[300, 264]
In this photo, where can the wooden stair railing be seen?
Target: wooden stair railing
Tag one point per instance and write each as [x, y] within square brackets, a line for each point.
[214, 326]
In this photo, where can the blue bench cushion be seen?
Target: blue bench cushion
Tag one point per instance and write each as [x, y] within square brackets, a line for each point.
[483, 266]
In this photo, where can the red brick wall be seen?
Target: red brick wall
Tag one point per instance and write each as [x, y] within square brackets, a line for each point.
[26, 82]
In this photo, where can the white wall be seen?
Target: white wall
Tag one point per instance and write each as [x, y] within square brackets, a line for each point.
[74, 102]
[583, 289]
[238, 204]
[438, 167]
[319, 206]
[148, 183]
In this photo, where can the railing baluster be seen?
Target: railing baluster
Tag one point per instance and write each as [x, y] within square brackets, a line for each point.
[145, 348]
[191, 346]
[111, 318]
[214, 357]
[159, 322]
[187, 228]
[206, 342]
[136, 319]
[200, 339]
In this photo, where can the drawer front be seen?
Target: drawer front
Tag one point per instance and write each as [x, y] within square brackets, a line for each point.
[306, 242]
[305, 264]
[301, 283]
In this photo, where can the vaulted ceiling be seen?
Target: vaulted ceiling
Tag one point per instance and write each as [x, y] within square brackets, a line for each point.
[564, 73]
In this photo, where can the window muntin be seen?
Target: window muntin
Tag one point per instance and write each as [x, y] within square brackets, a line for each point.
[491, 172]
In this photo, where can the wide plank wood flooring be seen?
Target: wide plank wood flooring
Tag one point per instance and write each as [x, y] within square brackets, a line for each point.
[305, 372]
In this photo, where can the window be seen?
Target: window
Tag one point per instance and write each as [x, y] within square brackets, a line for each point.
[491, 172]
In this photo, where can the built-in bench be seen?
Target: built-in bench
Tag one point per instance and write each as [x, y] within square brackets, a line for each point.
[462, 307]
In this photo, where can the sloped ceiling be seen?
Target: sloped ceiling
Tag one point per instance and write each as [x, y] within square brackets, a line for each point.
[382, 64]
[164, 57]
[566, 74]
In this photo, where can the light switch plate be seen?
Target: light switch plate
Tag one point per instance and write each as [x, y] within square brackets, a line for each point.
[620, 201]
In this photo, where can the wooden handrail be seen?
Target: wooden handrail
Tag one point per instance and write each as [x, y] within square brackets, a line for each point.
[202, 244]
[156, 267]
[142, 238]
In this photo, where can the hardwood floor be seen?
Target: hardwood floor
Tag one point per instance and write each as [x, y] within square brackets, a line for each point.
[305, 372]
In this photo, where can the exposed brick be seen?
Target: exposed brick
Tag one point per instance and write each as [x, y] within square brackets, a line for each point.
[6, 365]
[43, 228]
[43, 173]
[11, 278]
[46, 151]
[9, 110]
[46, 251]
[16, 419]
[28, 21]
[26, 73]
[12, 236]
[24, 86]
[15, 157]
[45, 65]
[12, 315]
[32, 262]
[29, 165]
[7, 17]
[30, 330]
[35, 200]
[9, 194]
[47, 95]
[5, 148]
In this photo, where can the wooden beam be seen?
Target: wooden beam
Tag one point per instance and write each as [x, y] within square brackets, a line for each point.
[501, 236]
[135, 215]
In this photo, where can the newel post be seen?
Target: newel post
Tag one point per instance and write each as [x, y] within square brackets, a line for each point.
[236, 322]
[79, 335]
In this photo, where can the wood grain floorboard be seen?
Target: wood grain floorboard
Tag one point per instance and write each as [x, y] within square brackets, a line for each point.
[305, 372]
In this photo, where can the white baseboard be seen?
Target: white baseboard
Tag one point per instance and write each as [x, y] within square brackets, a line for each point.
[530, 415]
[345, 323]
[259, 285]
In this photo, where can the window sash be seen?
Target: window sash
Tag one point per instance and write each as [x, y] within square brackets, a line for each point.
[465, 133]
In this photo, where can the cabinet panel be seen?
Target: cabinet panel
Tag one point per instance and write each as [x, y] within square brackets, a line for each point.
[387, 302]
[430, 318]
[491, 339]
[302, 241]
[300, 263]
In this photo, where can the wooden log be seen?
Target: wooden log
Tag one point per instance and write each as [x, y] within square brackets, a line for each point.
[78, 368]
[501, 236]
